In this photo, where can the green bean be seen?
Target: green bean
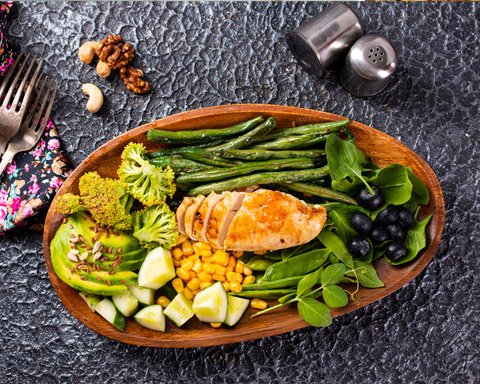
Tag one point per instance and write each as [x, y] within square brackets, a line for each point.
[316, 190]
[264, 154]
[179, 164]
[247, 138]
[265, 294]
[202, 135]
[281, 283]
[259, 263]
[208, 159]
[246, 169]
[180, 150]
[291, 142]
[297, 265]
[309, 129]
[260, 178]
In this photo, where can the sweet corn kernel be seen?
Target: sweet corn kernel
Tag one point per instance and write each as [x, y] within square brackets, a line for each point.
[187, 248]
[177, 253]
[205, 254]
[163, 301]
[183, 274]
[219, 270]
[177, 285]
[226, 286]
[216, 325]
[235, 287]
[205, 284]
[248, 279]
[217, 277]
[181, 238]
[205, 276]
[259, 252]
[209, 267]
[188, 293]
[237, 254]
[187, 264]
[232, 262]
[221, 257]
[177, 263]
[199, 247]
[258, 304]
[234, 277]
[197, 267]
[239, 268]
[193, 275]
[247, 271]
[228, 269]
[194, 284]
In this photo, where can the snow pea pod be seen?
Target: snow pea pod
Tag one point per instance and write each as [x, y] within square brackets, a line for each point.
[297, 265]
[266, 285]
[259, 263]
[265, 294]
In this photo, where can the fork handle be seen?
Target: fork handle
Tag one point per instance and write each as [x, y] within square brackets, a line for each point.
[3, 146]
[6, 159]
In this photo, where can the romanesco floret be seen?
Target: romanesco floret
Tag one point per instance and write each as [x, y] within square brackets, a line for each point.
[155, 227]
[105, 199]
[147, 183]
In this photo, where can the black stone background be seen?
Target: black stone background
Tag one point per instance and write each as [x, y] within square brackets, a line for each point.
[204, 54]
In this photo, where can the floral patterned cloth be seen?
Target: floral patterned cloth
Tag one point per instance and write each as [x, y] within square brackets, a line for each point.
[32, 179]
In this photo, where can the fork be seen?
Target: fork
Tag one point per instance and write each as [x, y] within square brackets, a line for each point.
[34, 124]
[11, 111]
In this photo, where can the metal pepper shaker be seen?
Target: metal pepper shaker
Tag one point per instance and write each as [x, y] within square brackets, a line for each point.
[369, 65]
[325, 38]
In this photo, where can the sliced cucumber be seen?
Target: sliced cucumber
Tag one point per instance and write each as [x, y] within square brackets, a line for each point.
[236, 307]
[179, 310]
[108, 311]
[151, 317]
[210, 304]
[126, 303]
[91, 300]
[145, 296]
[157, 269]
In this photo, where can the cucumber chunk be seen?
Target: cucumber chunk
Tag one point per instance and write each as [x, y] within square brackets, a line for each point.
[157, 269]
[210, 304]
[179, 310]
[126, 303]
[108, 311]
[91, 300]
[236, 307]
[151, 317]
[145, 296]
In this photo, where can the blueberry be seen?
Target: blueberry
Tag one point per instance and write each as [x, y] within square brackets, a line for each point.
[369, 201]
[361, 223]
[395, 251]
[379, 235]
[359, 246]
[388, 215]
[405, 218]
[396, 232]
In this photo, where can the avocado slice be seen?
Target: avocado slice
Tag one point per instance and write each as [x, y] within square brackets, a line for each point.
[103, 281]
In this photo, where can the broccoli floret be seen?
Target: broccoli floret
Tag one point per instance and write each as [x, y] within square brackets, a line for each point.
[155, 227]
[105, 199]
[147, 183]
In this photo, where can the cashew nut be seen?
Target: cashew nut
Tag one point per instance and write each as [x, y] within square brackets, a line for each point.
[95, 100]
[87, 51]
[103, 69]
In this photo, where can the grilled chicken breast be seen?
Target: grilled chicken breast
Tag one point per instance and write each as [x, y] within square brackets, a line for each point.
[263, 220]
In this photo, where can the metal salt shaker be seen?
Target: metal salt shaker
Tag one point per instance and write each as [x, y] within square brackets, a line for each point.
[369, 65]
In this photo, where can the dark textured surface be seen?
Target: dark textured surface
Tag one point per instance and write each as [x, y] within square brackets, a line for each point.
[203, 54]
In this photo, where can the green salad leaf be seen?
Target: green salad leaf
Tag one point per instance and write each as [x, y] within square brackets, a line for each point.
[332, 274]
[394, 184]
[314, 312]
[334, 296]
[419, 190]
[336, 246]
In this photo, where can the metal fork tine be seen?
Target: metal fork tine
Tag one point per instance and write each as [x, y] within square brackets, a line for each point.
[10, 72]
[40, 130]
[14, 83]
[42, 114]
[31, 113]
[30, 88]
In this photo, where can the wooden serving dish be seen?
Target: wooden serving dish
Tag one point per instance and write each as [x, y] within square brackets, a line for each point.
[381, 148]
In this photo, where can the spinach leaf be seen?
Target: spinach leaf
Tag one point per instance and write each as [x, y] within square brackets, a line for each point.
[314, 313]
[332, 274]
[419, 190]
[336, 246]
[366, 274]
[309, 281]
[394, 183]
[334, 296]
[341, 214]
[345, 162]
[415, 241]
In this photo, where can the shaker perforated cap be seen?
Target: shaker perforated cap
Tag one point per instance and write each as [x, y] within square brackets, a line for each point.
[369, 65]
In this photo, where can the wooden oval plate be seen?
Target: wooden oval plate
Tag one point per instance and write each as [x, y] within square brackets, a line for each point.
[381, 148]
